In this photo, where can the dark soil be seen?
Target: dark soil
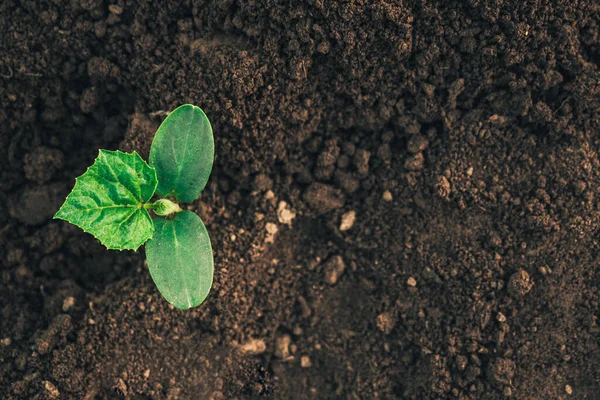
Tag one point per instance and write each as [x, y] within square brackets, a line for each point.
[463, 135]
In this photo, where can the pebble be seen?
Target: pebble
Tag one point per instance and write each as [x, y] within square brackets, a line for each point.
[387, 196]
[52, 391]
[272, 230]
[347, 220]
[569, 389]
[412, 282]
[282, 347]
[305, 362]
[254, 347]
[334, 268]
[285, 214]
[501, 317]
[115, 9]
[443, 187]
[68, 303]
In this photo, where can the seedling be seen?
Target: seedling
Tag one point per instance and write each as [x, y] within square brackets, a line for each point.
[112, 200]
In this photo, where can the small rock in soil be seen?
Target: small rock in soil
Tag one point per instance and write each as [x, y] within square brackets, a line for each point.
[412, 282]
[51, 390]
[42, 163]
[115, 9]
[254, 347]
[305, 362]
[272, 230]
[442, 187]
[387, 196]
[323, 198]
[68, 303]
[285, 214]
[569, 389]
[334, 268]
[520, 283]
[347, 220]
[282, 347]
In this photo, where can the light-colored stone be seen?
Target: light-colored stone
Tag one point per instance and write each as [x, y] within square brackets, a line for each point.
[272, 230]
[412, 282]
[348, 220]
[51, 390]
[253, 347]
[282, 347]
[68, 303]
[305, 362]
[569, 389]
[387, 196]
[285, 214]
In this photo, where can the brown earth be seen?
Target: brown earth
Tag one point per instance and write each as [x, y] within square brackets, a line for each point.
[463, 135]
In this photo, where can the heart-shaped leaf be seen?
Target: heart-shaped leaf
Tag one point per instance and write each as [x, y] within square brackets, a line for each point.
[108, 200]
[180, 259]
[182, 153]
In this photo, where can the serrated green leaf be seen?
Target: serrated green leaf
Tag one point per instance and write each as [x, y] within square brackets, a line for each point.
[180, 259]
[107, 201]
[182, 153]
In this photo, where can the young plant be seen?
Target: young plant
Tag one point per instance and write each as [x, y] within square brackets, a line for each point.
[112, 200]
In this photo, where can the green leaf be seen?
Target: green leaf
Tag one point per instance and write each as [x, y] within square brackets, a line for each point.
[180, 259]
[182, 153]
[107, 201]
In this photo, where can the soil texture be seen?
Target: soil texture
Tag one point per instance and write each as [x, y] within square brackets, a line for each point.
[405, 202]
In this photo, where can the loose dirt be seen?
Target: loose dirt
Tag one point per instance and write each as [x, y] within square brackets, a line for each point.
[461, 136]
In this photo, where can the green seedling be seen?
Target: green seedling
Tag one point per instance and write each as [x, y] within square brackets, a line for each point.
[112, 200]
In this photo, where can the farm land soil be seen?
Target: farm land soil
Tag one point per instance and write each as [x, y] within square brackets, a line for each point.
[457, 141]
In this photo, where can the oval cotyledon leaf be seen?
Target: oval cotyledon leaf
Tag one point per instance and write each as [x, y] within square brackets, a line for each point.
[108, 200]
[180, 259]
[182, 153]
